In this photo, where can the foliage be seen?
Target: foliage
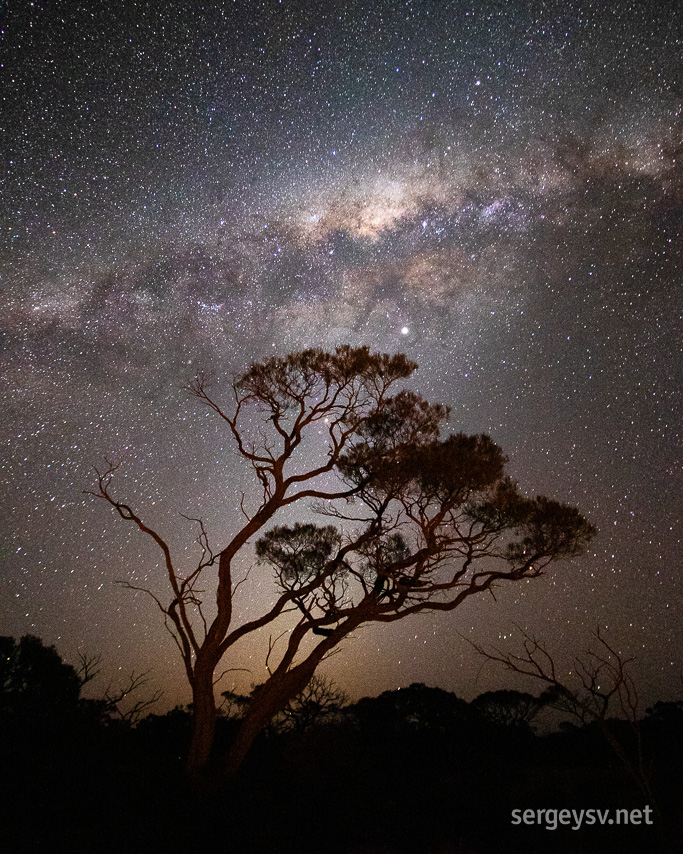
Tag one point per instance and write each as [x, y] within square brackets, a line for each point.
[318, 701]
[35, 684]
[417, 708]
[509, 708]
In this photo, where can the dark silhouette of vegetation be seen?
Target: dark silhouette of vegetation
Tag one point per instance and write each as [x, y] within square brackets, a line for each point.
[416, 769]
[37, 686]
[601, 686]
[515, 709]
[319, 700]
[427, 523]
[601, 679]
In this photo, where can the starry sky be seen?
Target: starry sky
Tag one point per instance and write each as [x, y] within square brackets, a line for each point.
[493, 188]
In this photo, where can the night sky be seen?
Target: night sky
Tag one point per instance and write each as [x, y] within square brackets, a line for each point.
[491, 188]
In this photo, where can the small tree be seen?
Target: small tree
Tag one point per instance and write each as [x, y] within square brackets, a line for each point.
[320, 699]
[601, 685]
[506, 708]
[36, 686]
[427, 523]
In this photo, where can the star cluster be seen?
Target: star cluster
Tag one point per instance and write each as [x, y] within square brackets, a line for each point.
[494, 189]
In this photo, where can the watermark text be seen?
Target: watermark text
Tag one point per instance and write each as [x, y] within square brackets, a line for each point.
[551, 819]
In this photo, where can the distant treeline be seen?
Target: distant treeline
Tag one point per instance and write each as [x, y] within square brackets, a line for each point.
[412, 770]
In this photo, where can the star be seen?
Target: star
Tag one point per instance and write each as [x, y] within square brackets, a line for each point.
[264, 188]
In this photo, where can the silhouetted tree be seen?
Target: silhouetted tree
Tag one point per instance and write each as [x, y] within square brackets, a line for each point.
[417, 708]
[428, 522]
[320, 699]
[35, 684]
[601, 684]
[125, 704]
[669, 713]
[234, 704]
[515, 709]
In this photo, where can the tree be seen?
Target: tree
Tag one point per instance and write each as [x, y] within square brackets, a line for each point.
[415, 709]
[602, 683]
[427, 523]
[36, 687]
[507, 708]
[320, 699]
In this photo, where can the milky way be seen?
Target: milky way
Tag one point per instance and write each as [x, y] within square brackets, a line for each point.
[494, 189]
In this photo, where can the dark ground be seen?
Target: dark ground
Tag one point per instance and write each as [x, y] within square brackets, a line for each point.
[415, 771]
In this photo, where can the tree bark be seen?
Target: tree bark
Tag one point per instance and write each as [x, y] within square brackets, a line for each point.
[203, 723]
[254, 723]
[274, 695]
[270, 700]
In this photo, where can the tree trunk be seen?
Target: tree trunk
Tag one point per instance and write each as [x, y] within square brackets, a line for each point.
[203, 724]
[272, 697]
[252, 725]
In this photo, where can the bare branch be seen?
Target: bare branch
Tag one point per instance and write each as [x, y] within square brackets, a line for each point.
[114, 699]
[602, 678]
[89, 667]
[230, 670]
[271, 648]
